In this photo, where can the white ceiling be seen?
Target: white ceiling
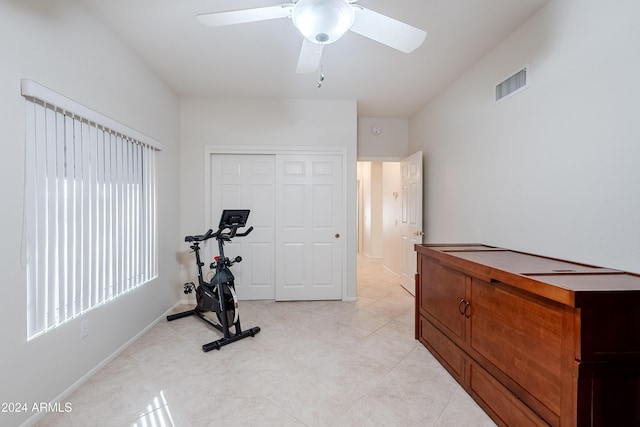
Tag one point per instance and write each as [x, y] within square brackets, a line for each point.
[258, 60]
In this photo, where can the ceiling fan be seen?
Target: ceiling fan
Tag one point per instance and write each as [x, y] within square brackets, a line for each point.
[323, 22]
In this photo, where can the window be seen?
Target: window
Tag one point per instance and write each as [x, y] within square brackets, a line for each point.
[89, 209]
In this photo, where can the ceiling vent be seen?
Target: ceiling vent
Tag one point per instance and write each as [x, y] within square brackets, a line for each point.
[512, 85]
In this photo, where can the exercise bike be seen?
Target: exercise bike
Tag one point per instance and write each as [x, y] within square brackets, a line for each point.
[218, 295]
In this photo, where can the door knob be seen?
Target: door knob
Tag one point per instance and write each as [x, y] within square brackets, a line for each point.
[419, 233]
[337, 235]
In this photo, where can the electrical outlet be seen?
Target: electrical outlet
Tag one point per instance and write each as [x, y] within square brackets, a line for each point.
[84, 328]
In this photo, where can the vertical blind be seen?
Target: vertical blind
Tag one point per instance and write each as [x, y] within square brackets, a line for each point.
[90, 214]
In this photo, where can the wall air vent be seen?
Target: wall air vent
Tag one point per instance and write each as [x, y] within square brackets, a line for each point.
[512, 85]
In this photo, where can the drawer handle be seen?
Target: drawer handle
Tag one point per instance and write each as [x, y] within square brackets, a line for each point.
[462, 306]
[467, 309]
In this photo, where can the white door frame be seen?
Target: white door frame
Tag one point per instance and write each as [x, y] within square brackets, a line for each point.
[275, 150]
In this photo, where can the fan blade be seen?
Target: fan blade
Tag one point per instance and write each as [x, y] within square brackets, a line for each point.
[386, 30]
[218, 19]
[310, 56]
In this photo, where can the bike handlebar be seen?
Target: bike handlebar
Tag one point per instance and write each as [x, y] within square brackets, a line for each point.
[218, 234]
[199, 238]
[249, 230]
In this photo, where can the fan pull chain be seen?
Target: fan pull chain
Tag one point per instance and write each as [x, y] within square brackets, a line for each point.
[321, 78]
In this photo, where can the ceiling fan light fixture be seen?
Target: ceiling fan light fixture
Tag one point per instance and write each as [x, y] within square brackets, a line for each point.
[323, 21]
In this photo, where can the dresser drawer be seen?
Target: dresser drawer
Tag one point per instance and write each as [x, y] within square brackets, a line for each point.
[505, 407]
[448, 354]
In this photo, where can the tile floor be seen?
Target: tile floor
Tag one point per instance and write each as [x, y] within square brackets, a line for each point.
[327, 363]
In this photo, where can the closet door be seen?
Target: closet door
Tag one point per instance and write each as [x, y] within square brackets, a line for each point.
[309, 224]
[246, 181]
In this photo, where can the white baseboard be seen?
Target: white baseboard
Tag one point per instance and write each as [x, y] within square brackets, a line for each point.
[391, 271]
[73, 387]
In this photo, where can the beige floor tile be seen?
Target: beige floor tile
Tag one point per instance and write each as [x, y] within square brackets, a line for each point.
[369, 412]
[314, 363]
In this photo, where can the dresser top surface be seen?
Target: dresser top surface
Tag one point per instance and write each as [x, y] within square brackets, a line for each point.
[525, 264]
[565, 279]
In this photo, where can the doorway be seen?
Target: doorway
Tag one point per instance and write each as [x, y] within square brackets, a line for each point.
[390, 214]
[379, 212]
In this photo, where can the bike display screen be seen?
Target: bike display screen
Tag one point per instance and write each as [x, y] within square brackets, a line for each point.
[234, 217]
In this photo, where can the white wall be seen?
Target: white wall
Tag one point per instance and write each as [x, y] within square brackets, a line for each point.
[553, 170]
[264, 123]
[364, 175]
[377, 213]
[370, 174]
[392, 143]
[58, 44]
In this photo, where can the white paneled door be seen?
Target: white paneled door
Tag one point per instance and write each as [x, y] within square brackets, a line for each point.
[247, 182]
[297, 211]
[309, 224]
[411, 224]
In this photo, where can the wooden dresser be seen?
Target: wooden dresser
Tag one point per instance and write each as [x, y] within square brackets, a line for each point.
[535, 341]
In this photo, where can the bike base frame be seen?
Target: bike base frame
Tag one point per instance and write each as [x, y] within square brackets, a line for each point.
[227, 339]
